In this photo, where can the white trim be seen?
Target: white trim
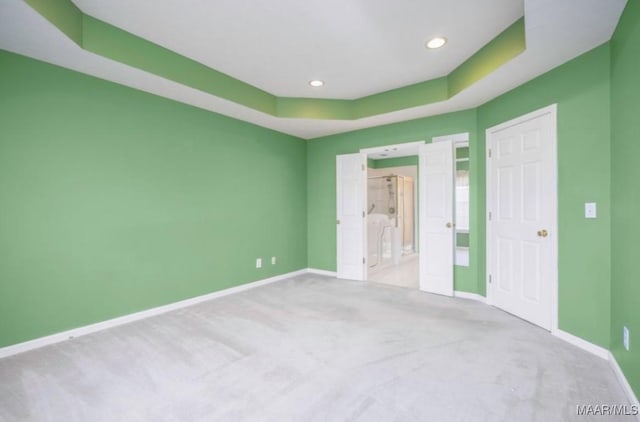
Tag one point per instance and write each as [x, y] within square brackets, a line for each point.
[581, 343]
[471, 296]
[551, 110]
[407, 145]
[322, 272]
[603, 353]
[623, 382]
[458, 138]
[125, 319]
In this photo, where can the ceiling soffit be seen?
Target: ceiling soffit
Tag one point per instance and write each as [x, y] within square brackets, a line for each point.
[111, 42]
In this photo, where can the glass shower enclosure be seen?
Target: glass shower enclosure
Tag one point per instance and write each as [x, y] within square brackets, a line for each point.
[391, 219]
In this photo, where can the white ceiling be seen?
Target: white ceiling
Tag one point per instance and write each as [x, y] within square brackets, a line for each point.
[556, 30]
[358, 47]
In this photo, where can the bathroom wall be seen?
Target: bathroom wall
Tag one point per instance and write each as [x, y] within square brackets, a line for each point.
[395, 162]
[410, 171]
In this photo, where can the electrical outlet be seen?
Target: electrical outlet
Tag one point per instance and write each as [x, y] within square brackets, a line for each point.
[625, 338]
[259, 263]
[273, 260]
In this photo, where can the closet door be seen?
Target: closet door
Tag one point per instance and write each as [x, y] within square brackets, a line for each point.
[522, 217]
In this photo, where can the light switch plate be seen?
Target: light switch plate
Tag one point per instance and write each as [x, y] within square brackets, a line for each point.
[590, 210]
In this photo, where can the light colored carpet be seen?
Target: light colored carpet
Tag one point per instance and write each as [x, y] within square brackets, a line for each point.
[312, 348]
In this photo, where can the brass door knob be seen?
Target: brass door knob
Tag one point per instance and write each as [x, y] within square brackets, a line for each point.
[542, 233]
[449, 225]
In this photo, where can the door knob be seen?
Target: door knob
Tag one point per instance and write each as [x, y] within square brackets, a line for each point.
[542, 233]
[449, 225]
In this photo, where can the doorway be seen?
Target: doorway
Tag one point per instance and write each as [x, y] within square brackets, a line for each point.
[392, 212]
[435, 187]
[522, 223]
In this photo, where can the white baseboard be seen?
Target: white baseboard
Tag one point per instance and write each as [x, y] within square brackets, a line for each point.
[125, 319]
[604, 354]
[471, 296]
[581, 343]
[623, 382]
[322, 272]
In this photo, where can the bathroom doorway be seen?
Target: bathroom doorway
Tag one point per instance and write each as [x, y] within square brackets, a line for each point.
[392, 247]
[433, 223]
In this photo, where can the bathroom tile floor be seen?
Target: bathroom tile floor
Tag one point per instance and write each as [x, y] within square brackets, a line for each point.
[405, 274]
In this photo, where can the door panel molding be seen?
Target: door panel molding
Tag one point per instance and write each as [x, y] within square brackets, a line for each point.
[436, 173]
[351, 185]
[525, 220]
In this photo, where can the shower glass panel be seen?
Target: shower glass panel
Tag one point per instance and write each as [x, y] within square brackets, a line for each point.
[391, 218]
[408, 210]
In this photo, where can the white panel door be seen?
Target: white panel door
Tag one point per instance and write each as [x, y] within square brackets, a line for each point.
[436, 217]
[522, 218]
[351, 185]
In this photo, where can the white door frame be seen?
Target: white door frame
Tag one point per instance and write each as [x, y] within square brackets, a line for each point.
[552, 112]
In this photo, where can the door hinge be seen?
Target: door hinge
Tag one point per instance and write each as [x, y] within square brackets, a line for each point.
[489, 215]
[490, 279]
[489, 152]
[363, 261]
[363, 214]
[363, 167]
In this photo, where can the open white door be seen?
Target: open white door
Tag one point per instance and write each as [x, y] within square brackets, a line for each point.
[351, 185]
[436, 217]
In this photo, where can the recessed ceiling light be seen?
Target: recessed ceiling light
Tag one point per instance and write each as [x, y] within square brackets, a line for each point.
[316, 83]
[436, 42]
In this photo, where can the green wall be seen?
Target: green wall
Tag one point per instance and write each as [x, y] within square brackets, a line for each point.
[113, 200]
[321, 182]
[394, 162]
[625, 142]
[581, 90]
